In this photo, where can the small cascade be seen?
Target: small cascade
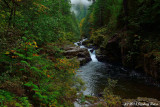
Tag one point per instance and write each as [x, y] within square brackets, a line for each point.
[80, 42]
[76, 43]
[90, 50]
[93, 55]
[82, 46]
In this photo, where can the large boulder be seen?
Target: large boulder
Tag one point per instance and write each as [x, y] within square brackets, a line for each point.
[81, 53]
[100, 55]
[111, 52]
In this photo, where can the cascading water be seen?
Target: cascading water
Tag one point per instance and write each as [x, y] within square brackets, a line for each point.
[90, 50]
[130, 83]
[92, 55]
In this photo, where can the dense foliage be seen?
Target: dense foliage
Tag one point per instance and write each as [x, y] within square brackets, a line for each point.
[33, 33]
[33, 72]
[135, 23]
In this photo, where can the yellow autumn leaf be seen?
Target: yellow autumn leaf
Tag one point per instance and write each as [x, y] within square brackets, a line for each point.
[3, 16]
[7, 52]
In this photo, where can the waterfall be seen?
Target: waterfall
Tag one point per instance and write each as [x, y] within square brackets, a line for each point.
[90, 50]
[92, 55]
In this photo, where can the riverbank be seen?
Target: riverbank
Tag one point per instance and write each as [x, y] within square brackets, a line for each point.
[129, 87]
[117, 50]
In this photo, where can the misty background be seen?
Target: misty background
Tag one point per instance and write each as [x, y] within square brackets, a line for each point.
[80, 8]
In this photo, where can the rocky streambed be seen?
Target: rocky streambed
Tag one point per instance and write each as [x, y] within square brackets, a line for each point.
[82, 54]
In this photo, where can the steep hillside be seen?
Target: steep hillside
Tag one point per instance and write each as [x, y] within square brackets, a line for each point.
[126, 31]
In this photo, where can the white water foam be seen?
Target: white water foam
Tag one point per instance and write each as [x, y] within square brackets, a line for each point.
[92, 55]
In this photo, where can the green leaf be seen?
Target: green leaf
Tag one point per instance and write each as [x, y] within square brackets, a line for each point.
[25, 62]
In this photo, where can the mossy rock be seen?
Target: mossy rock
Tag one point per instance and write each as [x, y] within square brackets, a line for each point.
[86, 42]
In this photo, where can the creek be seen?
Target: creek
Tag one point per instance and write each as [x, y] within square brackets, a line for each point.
[130, 83]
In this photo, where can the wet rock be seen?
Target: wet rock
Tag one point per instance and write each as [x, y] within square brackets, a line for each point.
[84, 60]
[113, 50]
[79, 44]
[86, 42]
[151, 66]
[90, 46]
[101, 55]
[91, 50]
[101, 58]
[81, 53]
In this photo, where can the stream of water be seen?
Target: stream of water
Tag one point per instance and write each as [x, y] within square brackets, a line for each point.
[130, 83]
